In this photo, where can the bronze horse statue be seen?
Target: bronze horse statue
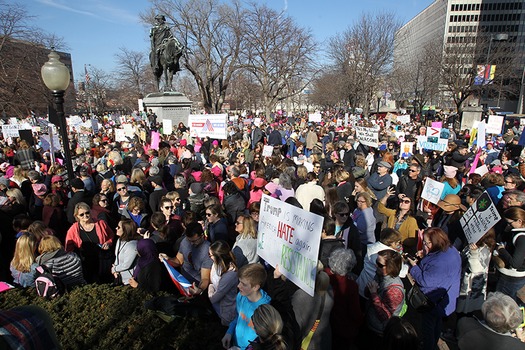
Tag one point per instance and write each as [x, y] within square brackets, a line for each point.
[168, 56]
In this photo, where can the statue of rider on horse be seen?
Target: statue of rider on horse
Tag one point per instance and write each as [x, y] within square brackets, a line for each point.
[165, 53]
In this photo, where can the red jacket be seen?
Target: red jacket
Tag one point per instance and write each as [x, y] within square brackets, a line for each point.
[104, 233]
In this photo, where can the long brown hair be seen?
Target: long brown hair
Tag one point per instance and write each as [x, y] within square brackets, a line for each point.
[224, 258]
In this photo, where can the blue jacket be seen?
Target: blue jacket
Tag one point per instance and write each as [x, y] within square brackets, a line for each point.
[438, 274]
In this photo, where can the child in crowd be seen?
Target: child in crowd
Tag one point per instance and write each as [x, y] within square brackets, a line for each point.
[250, 296]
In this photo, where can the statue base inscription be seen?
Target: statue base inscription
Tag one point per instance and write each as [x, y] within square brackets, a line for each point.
[169, 105]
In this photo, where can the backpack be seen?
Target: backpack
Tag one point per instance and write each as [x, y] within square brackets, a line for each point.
[48, 285]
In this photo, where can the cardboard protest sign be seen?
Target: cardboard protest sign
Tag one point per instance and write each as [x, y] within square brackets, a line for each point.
[209, 125]
[479, 218]
[432, 190]
[290, 237]
[367, 136]
[432, 143]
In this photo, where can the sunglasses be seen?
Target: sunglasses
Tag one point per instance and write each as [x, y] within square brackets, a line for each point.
[103, 200]
[406, 201]
[121, 189]
[83, 214]
[209, 214]
[412, 170]
[168, 207]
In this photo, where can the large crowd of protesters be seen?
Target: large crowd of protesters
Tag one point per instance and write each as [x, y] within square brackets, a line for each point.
[194, 203]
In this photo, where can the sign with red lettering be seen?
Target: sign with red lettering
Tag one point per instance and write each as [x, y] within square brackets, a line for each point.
[290, 237]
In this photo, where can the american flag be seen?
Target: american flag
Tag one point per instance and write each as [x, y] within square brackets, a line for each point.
[88, 78]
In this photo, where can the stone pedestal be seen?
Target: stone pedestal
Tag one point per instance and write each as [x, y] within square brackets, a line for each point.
[169, 105]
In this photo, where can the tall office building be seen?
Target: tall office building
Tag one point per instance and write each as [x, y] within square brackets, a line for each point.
[459, 23]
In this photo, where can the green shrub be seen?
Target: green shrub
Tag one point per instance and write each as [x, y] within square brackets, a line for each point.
[106, 317]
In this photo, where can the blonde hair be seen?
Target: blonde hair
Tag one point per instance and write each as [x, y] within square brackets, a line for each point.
[268, 324]
[111, 184]
[79, 206]
[49, 244]
[172, 195]
[24, 252]
[17, 195]
[138, 176]
[249, 230]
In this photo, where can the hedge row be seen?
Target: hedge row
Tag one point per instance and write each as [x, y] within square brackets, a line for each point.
[106, 317]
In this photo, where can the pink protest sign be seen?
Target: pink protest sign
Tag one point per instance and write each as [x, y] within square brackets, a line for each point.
[437, 124]
[155, 139]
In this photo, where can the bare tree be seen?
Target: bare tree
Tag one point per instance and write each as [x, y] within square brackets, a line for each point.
[212, 33]
[278, 52]
[329, 89]
[99, 87]
[131, 70]
[22, 53]
[364, 54]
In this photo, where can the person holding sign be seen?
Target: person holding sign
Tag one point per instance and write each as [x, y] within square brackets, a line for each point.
[512, 252]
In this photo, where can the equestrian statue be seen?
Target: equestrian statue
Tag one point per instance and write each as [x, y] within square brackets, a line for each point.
[165, 53]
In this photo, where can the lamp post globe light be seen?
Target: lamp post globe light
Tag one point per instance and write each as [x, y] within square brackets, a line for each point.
[56, 77]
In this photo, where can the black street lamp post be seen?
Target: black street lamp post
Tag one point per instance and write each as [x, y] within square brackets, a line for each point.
[56, 77]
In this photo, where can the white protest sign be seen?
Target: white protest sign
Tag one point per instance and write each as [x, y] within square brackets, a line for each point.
[167, 126]
[46, 142]
[437, 144]
[494, 125]
[267, 151]
[129, 130]
[403, 119]
[290, 237]
[367, 136]
[481, 170]
[479, 218]
[482, 128]
[84, 141]
[315, 117]
[257, 121]
[209, 125]
[432, 190]
[11, 130]
[120, 135]
[74, 121]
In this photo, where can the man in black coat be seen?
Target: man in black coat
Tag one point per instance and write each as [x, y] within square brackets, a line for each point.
[79, 195]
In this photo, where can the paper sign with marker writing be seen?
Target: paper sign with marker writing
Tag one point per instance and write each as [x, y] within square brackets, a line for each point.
[432, 190]
[479, 218]
[290, 237]
[267, 151]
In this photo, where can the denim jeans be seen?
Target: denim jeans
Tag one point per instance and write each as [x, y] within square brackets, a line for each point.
[510, 286]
